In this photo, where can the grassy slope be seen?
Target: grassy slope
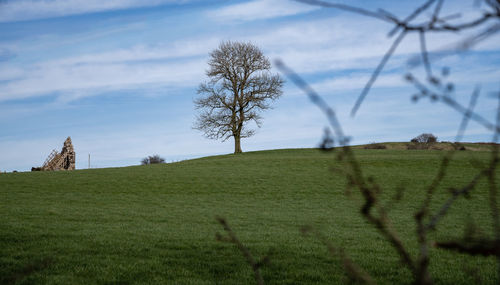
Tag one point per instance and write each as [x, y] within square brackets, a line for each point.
[155, 224]
[432, 146]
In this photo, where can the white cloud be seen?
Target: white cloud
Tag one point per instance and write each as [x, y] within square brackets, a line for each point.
[177, 64]
[325, 45]
[9, 72]
[46, 78]
[259, 9]
[342, 50]
[357, 81]
[22, 10]
[176, 50]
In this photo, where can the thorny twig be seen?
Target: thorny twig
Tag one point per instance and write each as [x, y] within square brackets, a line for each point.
[484, 247]
[455, 194]
[443, 96]
[422, 276]
[436, 23]
[232, 238]
[369, 188]
[355, 177]
[354, 271]
[377, 71]
[493, 193]
[316, 99]
[466, 117]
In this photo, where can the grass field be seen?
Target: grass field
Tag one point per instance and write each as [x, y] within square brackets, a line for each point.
[156, 224]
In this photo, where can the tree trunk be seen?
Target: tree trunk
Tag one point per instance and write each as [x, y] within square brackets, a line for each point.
[237, 144]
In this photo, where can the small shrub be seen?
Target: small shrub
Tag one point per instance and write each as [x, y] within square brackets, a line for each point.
[424, 138]
[152, 159]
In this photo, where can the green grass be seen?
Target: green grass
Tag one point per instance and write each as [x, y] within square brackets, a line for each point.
[155, 224]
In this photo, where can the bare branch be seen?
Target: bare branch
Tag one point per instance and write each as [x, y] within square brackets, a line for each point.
[344, 7]
[413, 15]
[354, 175]
[435, 24]
[484, 247]
[455, 194]
[353, 270]
[377, 71]
[316, 99]
[495, 215]
[425, 55]
[232, 238]
[445, 98]
[467, 115]
[372, 209]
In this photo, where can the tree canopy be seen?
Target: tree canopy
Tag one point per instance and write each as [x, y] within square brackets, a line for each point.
[239, 88]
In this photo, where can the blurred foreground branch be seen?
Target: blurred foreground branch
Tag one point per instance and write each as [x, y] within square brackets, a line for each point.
[483, 26]
[232, 238]
[372, 209]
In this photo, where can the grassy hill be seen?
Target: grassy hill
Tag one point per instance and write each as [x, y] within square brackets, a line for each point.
[156, 224]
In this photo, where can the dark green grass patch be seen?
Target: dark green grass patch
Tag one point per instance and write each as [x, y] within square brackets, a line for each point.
[155, 224]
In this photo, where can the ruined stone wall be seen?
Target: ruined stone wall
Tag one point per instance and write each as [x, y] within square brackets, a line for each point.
[65, 160]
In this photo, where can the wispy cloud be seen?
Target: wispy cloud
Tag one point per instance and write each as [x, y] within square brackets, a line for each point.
[23, 10]
[47, 78]
[356, 81]
[324, 45]
[259, 9]
[175, 50]
[6, 54]
[173, 65]
[127, 58]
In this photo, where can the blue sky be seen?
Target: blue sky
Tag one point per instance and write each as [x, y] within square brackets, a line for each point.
[119, 76]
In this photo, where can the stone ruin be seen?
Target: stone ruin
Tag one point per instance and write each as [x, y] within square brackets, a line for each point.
[64, 160]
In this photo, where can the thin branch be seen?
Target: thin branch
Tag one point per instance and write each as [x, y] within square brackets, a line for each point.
[412, 16]
[381, 222]
[344, 7]
[435, 24]
[458, 47]
[425, 55]
[354, 271]
[316, 99]
[467, 114]
[484, 247]
[426, 92]
[355, 177]
[368, 188]
[455, 194]
[435, 15]
[443, 168]
[232, 238]
[491, 177]
[377, 71]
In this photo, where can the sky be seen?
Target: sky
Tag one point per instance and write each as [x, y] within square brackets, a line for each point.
[120, 76]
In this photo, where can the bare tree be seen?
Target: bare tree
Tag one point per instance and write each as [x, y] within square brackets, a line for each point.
[240, 86]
